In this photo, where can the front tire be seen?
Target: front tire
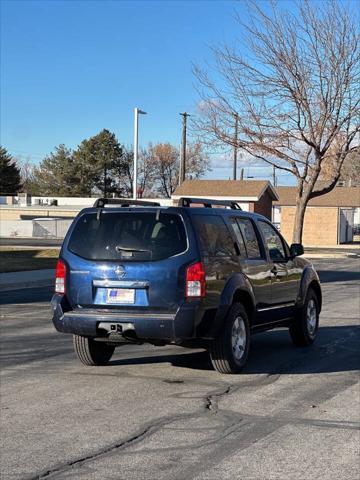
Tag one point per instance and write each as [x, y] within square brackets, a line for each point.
[229, 351]
[303, 332]
[90, 352]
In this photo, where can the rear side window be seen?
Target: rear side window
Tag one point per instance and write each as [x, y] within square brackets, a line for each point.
[251, 241]
[272, 241]
[238, 234]
[214, 237]
[131, 236]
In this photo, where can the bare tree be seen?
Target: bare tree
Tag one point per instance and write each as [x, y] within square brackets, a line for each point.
[293, 79]
[146, 174]
[28, 175]
[165, 159]
[158, 169]
[350, 170]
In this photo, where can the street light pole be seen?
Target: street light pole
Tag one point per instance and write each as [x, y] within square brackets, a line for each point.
[137, 111]
[183, 149]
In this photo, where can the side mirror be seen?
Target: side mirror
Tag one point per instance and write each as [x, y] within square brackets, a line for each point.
[296, 249]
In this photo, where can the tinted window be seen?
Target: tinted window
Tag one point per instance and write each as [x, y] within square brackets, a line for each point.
[251, 241]
[214, 237]
[272, 241]
[132, 236]
[238, 235]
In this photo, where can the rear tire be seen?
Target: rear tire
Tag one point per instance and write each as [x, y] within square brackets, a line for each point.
[229, 351]
[90, 352]
[303, 331]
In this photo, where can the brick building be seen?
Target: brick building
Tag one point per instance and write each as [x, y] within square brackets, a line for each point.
[252, 195]
[329, 219]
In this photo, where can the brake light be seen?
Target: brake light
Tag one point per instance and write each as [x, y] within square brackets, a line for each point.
[60, 277]
[195, 281]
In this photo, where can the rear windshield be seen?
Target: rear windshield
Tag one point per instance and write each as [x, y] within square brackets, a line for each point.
[132, 236]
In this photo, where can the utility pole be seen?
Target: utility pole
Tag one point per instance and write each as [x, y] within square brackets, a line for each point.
[235, 144]
[137, 111]
[242, 174]
[183, 148]
[274, 175]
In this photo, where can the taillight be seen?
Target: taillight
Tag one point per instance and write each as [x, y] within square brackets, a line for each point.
[60, 277]
[195, 281]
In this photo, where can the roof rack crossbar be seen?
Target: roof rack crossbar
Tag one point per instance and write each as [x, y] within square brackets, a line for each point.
[123, 202]
[208, 203]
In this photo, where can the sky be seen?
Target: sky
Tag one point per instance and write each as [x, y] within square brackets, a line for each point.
[71, 68]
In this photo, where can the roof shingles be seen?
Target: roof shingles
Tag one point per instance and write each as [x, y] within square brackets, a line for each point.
[338, 197]
[224, 188]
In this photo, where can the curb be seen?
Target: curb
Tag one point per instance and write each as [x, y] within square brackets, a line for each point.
[331, 255]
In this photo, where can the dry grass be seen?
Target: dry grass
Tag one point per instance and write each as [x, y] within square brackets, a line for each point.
[14, 259]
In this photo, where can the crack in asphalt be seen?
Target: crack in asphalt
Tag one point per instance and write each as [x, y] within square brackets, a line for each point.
[211, 406]
[231, 422]
[245, 420]
[139, 436]
[212, 400]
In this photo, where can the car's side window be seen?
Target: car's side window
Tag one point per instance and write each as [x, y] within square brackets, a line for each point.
[238, 235]
[251, 241]
[273, 241]
[214, 237]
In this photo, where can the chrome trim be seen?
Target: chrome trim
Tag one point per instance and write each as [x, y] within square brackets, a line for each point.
[288, 304]
[269, 325]
[107, 326]
[120, 283]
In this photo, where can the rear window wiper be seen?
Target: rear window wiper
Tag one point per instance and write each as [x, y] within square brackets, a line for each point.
[120, 248]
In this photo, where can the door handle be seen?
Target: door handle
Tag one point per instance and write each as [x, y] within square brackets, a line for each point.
[274, 271]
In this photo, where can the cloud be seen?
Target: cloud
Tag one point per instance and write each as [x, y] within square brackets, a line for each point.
[225, 160]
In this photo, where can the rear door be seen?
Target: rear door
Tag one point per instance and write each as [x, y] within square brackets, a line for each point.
[255, 266]
[127, 259]
[218, 253]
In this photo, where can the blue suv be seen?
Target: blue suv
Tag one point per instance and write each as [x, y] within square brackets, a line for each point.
[204, 273]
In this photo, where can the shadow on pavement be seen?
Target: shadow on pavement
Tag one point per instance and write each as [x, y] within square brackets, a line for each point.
[336, 350]
[328, 276]
[27, 295]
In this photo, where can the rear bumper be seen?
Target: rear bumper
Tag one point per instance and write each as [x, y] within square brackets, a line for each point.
[148, 325]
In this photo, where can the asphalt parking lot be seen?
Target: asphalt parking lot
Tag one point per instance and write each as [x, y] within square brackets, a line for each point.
[163, 413]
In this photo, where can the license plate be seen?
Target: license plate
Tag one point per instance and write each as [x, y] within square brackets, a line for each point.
[120, 295]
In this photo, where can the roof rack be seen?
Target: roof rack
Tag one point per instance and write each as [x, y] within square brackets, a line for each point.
[208, 203]
[101, 202]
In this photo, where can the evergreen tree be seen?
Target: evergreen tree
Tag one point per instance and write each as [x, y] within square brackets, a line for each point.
[97, 166]
[58, 174]
[101, 159]
[10, 183]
